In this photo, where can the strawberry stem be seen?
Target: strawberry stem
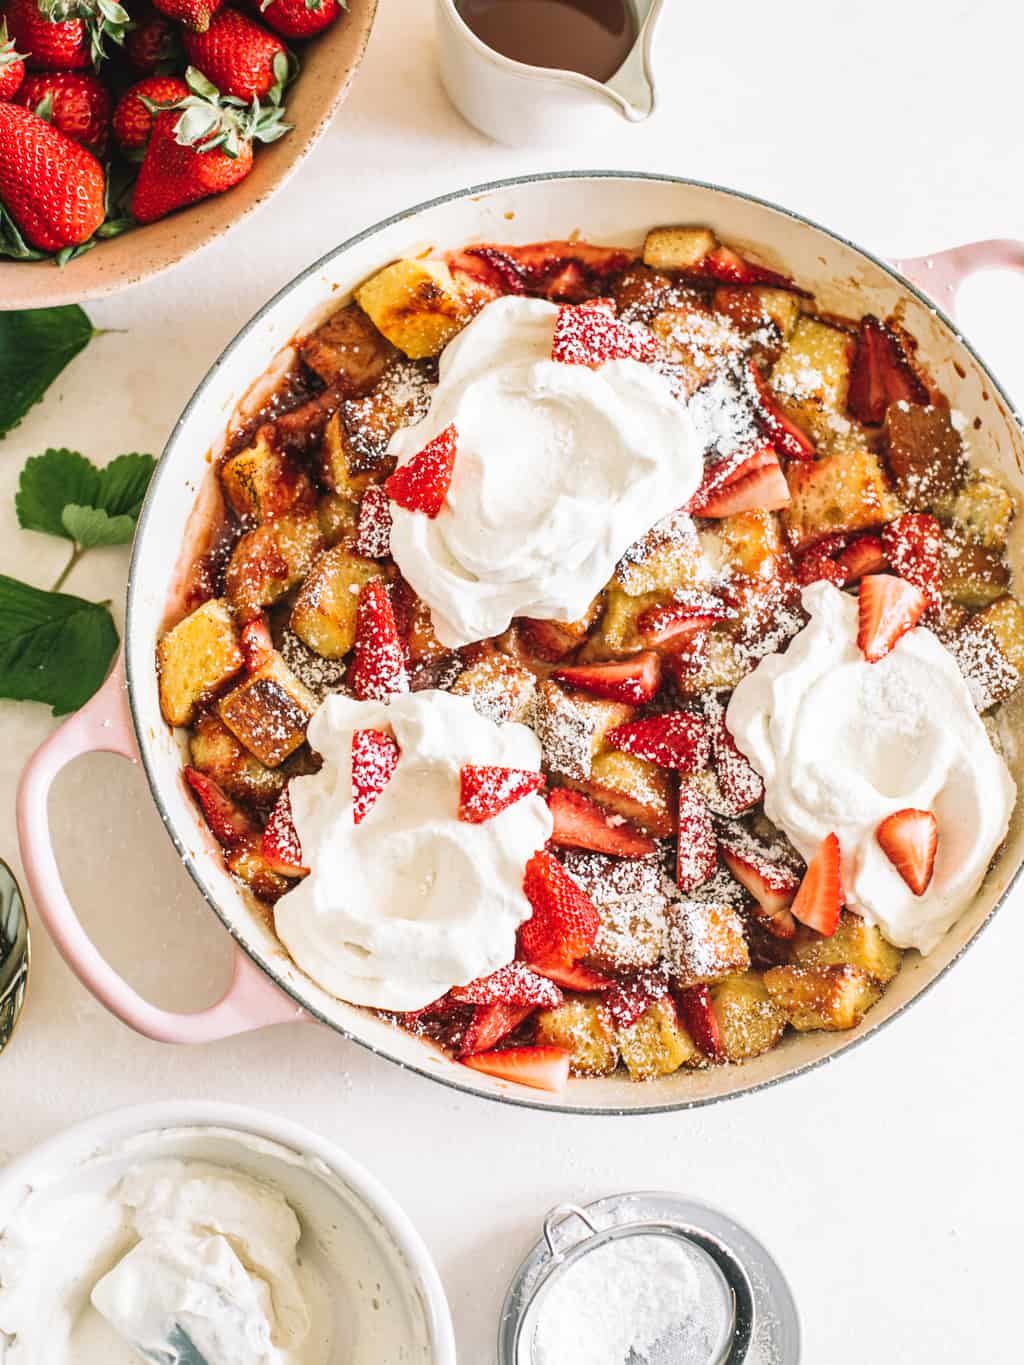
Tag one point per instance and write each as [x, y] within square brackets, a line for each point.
[76, 555]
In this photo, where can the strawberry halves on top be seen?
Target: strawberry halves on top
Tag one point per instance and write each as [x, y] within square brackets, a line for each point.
[912, 544]
[281, 846]
[820, 898]
[787, 438]
[590, 334]
[378, 664]
[513, 984]
[540, 1068]
[674, 739]
[581, 823]
[422, 484]
[635, 679]
[881, 373]
[698, 1015]
[697, 847]
[230, 825]
[740, 784]
[910, 839]
[887, 607]
[486, 790]
[565, 921]
[374, 759]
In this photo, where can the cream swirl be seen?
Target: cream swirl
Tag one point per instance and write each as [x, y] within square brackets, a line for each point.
[411, 901]
[842, 743]
[560, 468]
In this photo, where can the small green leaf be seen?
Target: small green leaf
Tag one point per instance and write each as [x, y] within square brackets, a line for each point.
[54, 648]
[89, 526]
[35, 345]
[123, 484]
[48, 483]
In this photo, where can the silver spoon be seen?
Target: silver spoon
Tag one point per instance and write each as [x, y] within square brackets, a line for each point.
[15, 953]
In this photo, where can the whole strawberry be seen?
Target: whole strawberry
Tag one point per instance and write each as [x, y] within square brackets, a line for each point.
[133, 117]
[76, 102]
[194, 14]
[12, 65]
[200, 148]
[152, 47]
[66, 35]
[52, 188]
[241, 57]
[299, 18]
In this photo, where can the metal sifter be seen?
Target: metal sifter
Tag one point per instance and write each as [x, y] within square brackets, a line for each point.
[745, 1312]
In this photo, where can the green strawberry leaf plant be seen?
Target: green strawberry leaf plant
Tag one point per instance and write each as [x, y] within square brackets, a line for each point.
[35, 346]
[56, 648]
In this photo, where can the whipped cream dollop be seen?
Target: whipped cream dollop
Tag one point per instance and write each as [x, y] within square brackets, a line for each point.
[179, 1254]
[842, 743]
[559, 469]
[411, 901]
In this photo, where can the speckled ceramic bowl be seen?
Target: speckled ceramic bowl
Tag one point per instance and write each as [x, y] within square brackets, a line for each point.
[329, 63]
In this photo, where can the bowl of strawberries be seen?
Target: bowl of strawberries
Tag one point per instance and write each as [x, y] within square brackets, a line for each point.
[124, 127]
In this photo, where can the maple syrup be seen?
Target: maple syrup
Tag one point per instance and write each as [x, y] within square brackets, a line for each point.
[592, 37]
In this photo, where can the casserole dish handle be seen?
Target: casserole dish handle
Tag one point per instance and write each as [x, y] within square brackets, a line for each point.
[104, 726]
[941, 274]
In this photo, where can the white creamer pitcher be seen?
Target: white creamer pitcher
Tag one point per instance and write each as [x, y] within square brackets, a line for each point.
[520, 104]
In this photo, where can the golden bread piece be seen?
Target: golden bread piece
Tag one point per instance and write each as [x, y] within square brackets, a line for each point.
[834, 998]
[324, 614]
[678, 248]
[749, 1021]
[271, 560]
[657, 1044]
[416, 304]
[196, 659]
[269, 711]
[583, 1028]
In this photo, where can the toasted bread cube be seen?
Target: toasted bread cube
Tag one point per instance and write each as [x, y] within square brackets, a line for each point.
[668, 556]
[749, 1021]
[270, 560]
[324, 614]
[990, 651]
[249, 865]
[348, 346]
[583, 1028]
[704, 942]
[842, 493]
[782, 306]
[696, 341]
[349, 465]
[657, 1044]
[1005, 619]
[339, 519]
[748, 543]
[722, 666]
[855, 943]
[640, 292]
[196, 659]
[972, 574]
[630, 901]
[983, 510]
[261, 483]
[633, 788]
[678, 248]
[553, 640]
[617, 633]
[417, 305]
[499, 687]
[269, 711]
[213, 749]
[925, 455]
[834, 998]
[571, 727]
[814, 369]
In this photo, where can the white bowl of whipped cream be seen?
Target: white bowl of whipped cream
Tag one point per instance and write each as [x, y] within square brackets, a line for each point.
[191, 1232]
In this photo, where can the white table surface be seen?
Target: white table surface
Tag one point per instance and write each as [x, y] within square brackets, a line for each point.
[887, 1183]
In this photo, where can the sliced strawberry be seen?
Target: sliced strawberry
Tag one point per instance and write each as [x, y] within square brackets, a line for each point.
[787, 438]
[541, 1068]
[820, 898]
[635, 680]
[581, 823]
[686, 659]
[740, 784]
[863, 556]
[576, 978]
[764, 489]
[687, 614]
[729, 470]
[590, 334]
[909, 839]
[731, 268]
[700, 1021]
[513, 984]
[675, 739]
[817, 564]
[281, 847]
[771, 879]
[486, 790]
[374, 759]
[889, 607]
[255, 643]
[629, 997]
[913, 546]
[378, 662]
[491, 1023]
[422, 484]
[564, 923]
[880, 373]
[697, 847]
[373, 533]
[230, 825]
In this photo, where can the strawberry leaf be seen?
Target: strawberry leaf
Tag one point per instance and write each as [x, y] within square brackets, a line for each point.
[54, 648]
[89, 526]
[123, 484]
[48, 483]
[35, 346]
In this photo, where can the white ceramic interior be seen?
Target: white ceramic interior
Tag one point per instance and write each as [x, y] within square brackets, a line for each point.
[605, 208]
[389, 1306]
